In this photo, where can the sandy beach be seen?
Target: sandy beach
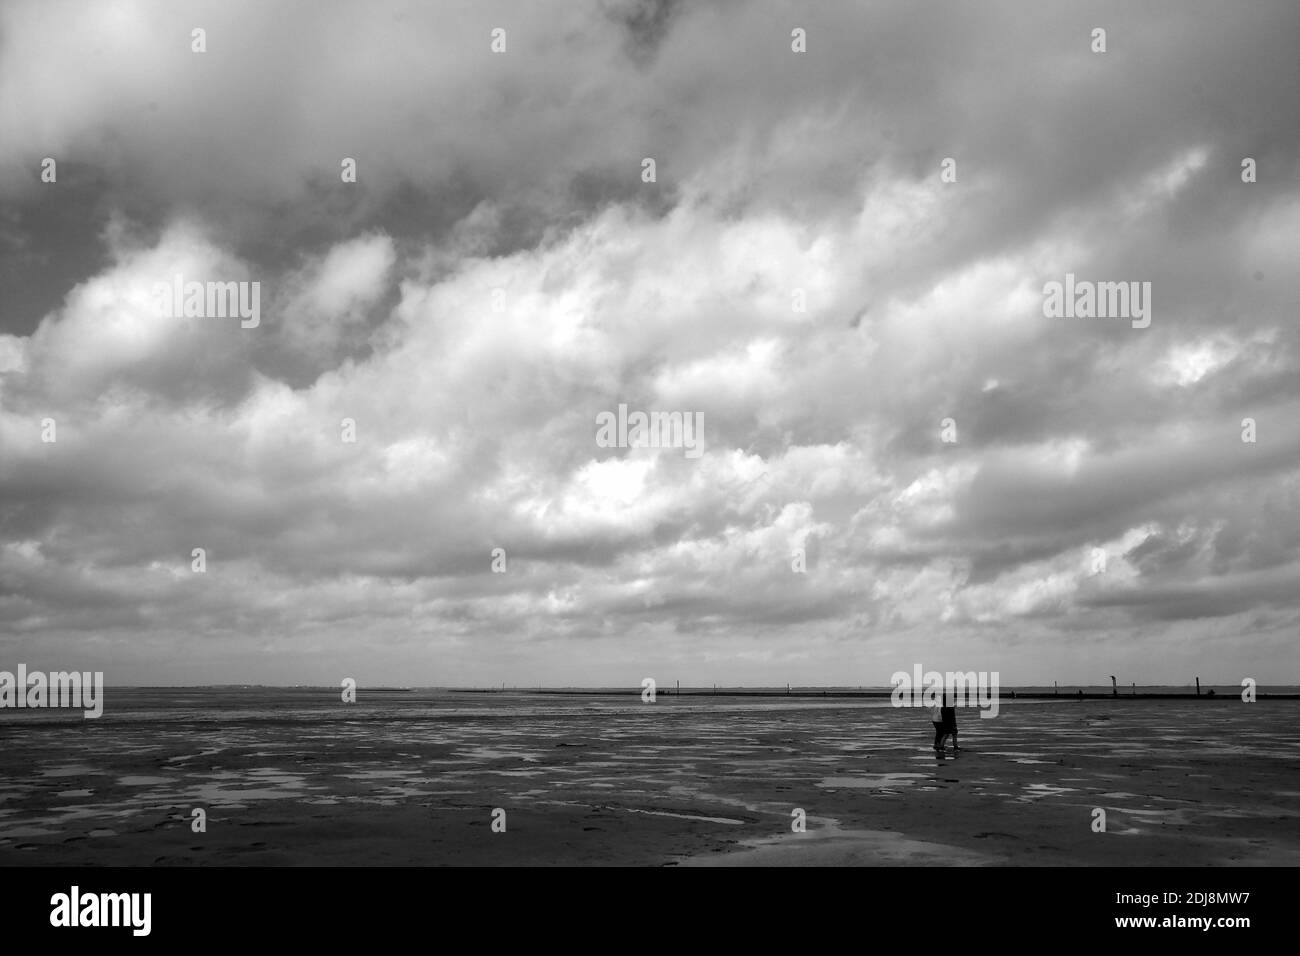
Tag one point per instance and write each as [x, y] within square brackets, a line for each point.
[413, 780]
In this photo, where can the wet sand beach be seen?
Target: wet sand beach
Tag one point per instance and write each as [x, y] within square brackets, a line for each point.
[412, 779]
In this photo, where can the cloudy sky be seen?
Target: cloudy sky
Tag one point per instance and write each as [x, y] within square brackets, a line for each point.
[500, 274]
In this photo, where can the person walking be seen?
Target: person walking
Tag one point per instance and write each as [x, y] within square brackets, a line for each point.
[936, 717]
[948, 717]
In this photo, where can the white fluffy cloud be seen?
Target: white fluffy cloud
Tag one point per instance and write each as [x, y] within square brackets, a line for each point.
[474, 352]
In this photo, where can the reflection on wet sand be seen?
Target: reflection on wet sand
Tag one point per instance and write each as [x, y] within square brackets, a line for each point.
[412, 779]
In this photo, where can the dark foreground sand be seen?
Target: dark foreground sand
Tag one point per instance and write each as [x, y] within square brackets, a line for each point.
[679, 782]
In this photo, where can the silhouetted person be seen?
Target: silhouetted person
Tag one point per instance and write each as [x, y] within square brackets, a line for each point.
[948, 715]
[936, 718]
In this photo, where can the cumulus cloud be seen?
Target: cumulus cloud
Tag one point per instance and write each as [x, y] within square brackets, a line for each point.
[500, 275]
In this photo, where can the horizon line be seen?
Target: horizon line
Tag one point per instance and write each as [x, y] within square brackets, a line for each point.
[662, 687]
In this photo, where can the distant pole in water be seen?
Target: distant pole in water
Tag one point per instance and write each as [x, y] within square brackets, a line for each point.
[1114, 688]
[1198, 687]
[679, 688]
[1055, 690]
[787, 688]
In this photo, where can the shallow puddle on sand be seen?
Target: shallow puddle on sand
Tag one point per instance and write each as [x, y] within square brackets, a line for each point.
[216, 794]
[869, 781]
[28, 832]
[491, 754]
[675, 814]
[1018, 756]
[831, 845]
[680, 816]
[201, 753]
[378, 774]
[521, 773]
[694, 794]
[1238, 813]
[71, 770]
[1036, 790]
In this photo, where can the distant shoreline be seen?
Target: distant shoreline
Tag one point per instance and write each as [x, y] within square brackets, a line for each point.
[885, 694]
[1208, 693]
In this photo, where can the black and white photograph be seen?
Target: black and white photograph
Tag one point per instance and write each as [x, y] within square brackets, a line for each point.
[651, 434]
